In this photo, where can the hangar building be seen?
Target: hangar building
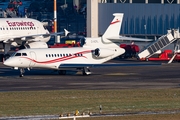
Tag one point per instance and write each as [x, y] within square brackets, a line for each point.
[146, 18]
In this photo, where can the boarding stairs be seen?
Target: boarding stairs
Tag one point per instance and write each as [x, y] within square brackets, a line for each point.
[159, 44]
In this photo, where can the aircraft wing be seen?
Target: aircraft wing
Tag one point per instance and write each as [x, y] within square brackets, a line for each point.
[48, 34]
[11, 38]
[33, 36]
[122, 38]
[106, 65]
[44, 35]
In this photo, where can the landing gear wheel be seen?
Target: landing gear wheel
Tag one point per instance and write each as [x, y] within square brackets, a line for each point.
[86, 71]
[21, 75]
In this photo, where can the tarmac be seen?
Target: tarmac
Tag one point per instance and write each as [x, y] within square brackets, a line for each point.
[135, 77]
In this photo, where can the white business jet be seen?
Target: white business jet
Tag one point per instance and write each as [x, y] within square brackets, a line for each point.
[23, 31]
[93, 53]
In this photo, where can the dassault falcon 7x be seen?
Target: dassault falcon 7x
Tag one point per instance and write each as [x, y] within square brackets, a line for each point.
[23, 31]
[93, 53]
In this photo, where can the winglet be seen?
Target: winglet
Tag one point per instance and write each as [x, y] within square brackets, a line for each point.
[66, 32]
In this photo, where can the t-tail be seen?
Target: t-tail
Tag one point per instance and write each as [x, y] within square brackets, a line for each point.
[114, 28]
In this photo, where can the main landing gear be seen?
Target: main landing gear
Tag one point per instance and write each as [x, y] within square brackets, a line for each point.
[86, 71]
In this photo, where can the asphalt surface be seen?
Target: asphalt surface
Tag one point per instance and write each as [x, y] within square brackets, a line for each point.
[136, 77]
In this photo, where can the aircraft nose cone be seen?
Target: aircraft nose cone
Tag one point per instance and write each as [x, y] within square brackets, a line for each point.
[7, 62]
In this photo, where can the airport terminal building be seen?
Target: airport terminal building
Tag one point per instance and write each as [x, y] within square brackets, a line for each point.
[146, 18]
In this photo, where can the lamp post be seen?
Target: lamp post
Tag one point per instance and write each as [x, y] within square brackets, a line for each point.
[55, 21]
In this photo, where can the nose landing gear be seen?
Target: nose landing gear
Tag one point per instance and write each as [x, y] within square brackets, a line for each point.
[22, 71]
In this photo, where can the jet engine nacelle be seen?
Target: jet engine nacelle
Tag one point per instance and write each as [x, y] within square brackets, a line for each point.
[102, 52]
[36, 45]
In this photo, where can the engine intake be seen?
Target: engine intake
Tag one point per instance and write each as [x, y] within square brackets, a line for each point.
[102, 52]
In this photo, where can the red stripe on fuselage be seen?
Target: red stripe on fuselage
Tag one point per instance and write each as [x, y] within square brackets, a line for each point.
[54, 60]
[60, 59]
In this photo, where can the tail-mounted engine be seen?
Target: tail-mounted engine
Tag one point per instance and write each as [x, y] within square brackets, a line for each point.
[102, 53]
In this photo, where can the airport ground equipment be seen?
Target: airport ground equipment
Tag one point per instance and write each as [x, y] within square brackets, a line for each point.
[166, 55]
[131, 50]
[161, 43]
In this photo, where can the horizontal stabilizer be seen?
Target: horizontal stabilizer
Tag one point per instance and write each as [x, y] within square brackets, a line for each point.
[122, 38]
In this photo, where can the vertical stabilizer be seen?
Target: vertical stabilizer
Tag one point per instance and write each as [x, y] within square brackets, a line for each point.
[114, 28]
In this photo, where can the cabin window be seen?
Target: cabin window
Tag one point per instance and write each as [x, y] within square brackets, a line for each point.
[49, 55]
[18, 54]
[58, 55]
[24, 54]
[46, 55]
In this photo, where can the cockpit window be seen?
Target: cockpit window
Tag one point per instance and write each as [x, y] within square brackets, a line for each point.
[13, 54]
[18, 54]
[24, 54]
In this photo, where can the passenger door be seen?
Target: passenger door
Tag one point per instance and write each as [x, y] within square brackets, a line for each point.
[33, 59]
